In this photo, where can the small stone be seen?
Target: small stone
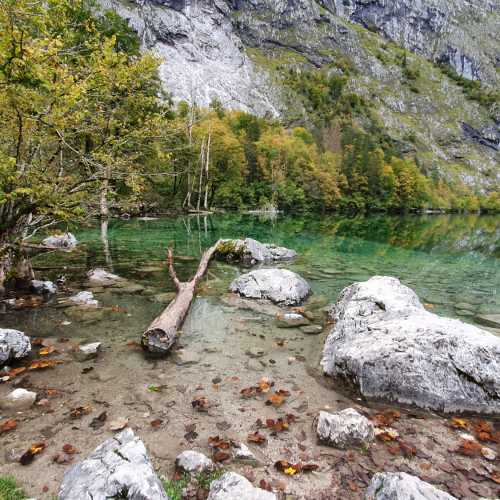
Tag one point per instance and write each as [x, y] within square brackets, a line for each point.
[88, 351]
[191, 461]
[186, 357]
[232, 486]
[291, 360]
[100, 276]
[18, 399]
[216, 380]
[465, 306]
[311, 329]
[345, 429]
[164, 298]
[255, 352]
[118, 424]
[488, 453]
[242, 452]
[290, 320]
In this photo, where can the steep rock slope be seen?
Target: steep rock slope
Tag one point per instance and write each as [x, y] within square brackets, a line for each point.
[238, 51]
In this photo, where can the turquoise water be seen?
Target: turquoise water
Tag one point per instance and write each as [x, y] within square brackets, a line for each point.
[448, 259]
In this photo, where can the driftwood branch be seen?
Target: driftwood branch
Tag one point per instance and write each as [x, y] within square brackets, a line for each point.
[162, 332]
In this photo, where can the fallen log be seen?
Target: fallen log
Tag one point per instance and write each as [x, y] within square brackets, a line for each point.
[162, 332]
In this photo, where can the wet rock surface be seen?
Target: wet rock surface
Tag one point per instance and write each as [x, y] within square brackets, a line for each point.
[345, 429]
[402, 486]
[43, 287]
[390, 347]
[231, 486]
[13, 345]
[250, 251]
[84, 299]
[118, 468]
[102, 277]
[65, 241]
[278, 285]
[18, 399]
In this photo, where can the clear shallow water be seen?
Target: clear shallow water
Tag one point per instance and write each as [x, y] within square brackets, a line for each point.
[447, 259]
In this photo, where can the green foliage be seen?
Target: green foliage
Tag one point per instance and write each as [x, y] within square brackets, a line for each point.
[174, 487]
[202, 481]
[9, 489]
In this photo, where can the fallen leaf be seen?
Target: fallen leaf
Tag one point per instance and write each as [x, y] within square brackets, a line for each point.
[98, 421]
[275, 399]
[220, 456]
[386, 434]
[459, 423]
[278, 425]
[155, 424]
[44, 351]
[62, 458]
[257, 438]
[469, 448]
[217, 442]
[291, 469]
[30, 454]
[200, 403]
[43, 364]
[495, 476]
[264, 485]
[69, 449]
[8, 425]
[385, 419]
[483, 430]
[80, 411]
[264, 384]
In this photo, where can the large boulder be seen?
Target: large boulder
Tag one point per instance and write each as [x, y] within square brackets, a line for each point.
[66, 241]
[118, 468]
[13, 345]
[402, 486]
[278, 285]
[232, 486]
[250, 251]
[43, 287]
[345, 429]
[388, 346]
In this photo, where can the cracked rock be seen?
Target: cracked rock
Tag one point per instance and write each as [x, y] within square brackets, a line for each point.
[13, 345]
[402, 486]
[250, 251]
[118, 468]
[344, 429]
[386, 344]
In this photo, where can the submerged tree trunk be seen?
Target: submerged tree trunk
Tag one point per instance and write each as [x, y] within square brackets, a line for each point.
[15, 267]
[162, 333]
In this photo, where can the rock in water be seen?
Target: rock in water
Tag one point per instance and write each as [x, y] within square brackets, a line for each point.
[251, 251]
[18, 399]
[84, 299]
[491, 320]
[232, 486]
[43, 287]
[290, 320]
[278, 285]
[102, 277]
[66, 241]
[13, 345]
[118, 468]
[402, 486]
[345, 429]
[193, 462]
[386, 343]
[88, 351]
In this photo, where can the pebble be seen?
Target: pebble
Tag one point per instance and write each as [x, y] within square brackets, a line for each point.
[255, 352]
[488, 453]
[18, 399]
[311, 329]
[88, 351]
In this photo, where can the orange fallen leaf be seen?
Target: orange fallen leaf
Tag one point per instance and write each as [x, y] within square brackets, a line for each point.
[495, 476]
[200, 403]
[45, 363]
[69, 449]
[8, 425]
[257, 438]
[80, 411]
[221, 456]
[459, 423]
[44, 351]
[217, 442]
[30, 454]
[469, 448]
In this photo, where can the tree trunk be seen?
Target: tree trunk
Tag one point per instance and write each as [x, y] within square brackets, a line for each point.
[205, 203]
[15, 268]
[202, 166]
[104, 195]
[162, 332]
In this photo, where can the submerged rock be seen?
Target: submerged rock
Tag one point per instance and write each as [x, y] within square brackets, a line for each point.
[290, 320]
[66, 241]
[193, 462]
[250, 251]
[13, 345]
[232, 486]
[491, 320]
[311, 329]
[344, 429]
[84, 299]
[165, 297]
[102, 277]
[402, 486]
[118, 468]
[43, 287]
[386, 344]
[18, 399]
[88, 351]
[278, 285]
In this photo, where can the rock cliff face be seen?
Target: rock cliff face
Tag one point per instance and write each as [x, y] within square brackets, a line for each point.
[236, 50]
